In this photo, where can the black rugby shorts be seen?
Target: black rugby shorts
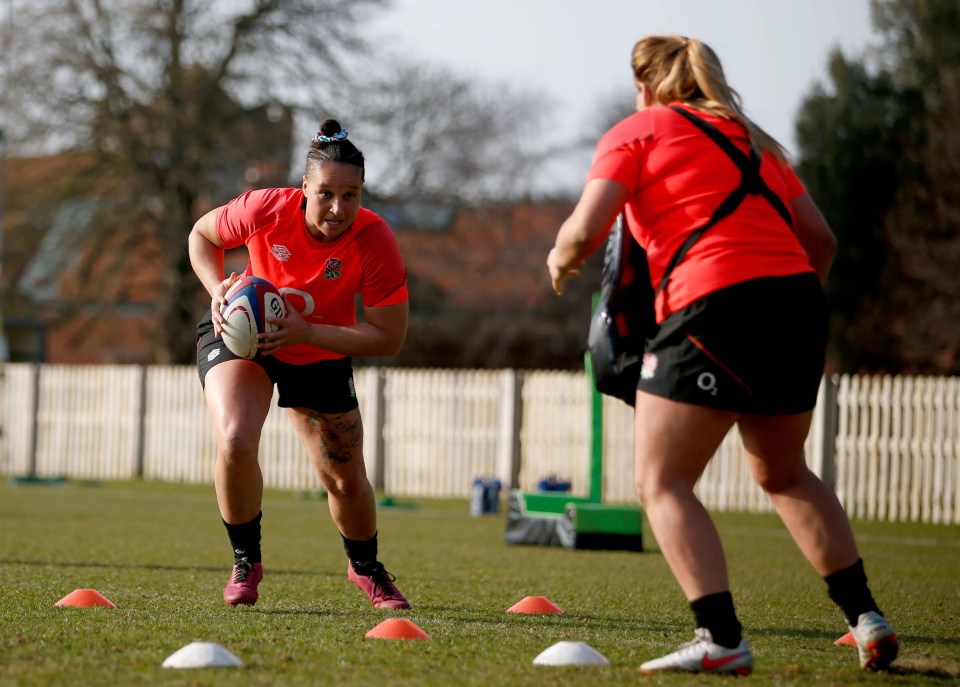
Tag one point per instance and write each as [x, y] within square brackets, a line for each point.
[754, 347]
[325, 387]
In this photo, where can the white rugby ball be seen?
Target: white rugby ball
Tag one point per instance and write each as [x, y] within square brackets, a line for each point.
[249, 302]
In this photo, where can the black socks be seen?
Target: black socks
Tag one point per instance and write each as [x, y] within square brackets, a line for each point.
[361, 553]
[715, 612]
[245, 539]
[848, 589]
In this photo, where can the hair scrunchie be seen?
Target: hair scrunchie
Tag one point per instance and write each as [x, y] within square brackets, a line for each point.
[339, 136]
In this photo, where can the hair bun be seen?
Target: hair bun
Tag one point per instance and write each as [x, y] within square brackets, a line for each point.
[330, 127]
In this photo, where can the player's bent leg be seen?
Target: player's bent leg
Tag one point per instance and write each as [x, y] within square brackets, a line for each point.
[818, 524]
[673, 444]
[334, 443]
[238, 396]
[809, 509]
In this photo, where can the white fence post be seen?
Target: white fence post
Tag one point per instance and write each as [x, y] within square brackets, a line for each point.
[34, 419]
[141, 396]
[823, 434]
[511, 413]
[373, 419]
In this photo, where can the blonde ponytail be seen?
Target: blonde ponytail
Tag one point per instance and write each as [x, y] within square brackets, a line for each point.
[681, 69]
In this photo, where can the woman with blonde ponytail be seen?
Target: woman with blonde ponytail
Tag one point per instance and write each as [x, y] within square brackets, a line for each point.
[737, 252]
[695, 77]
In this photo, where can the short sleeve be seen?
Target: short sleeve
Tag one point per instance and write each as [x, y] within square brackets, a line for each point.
[618, 165]
[242, 216]
[619, 153]
[384, 274]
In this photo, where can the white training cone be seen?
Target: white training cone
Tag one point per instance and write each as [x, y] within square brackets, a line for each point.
[571, 654]
[202, 655]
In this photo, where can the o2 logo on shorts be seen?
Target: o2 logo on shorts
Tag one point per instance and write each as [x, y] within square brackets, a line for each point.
[707, 381]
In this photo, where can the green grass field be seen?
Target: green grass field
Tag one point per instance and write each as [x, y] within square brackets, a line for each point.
[159, 552]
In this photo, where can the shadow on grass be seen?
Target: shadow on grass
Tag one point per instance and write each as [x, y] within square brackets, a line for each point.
[311, 612]
[546, 621]
[925, 667]
[923, 664]
[156, 566]
[815, 634]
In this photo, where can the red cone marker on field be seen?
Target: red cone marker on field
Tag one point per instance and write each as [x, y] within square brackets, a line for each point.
[397, 628]
[846, 640]
[535, 605]
[84, 598]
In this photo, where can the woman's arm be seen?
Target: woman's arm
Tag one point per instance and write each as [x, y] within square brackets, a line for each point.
[382, 332]
[206, 258]
[206, 251]
[814, 233]
[585, 229]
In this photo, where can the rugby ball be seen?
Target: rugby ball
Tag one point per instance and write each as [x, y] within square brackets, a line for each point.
[249, 302]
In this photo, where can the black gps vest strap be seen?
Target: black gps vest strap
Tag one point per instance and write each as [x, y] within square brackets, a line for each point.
[751, 183]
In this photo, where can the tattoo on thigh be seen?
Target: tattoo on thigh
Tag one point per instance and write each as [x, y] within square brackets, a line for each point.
[340, 434]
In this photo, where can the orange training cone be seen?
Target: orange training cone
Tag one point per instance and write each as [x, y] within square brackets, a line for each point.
[535, 604]
[83, 598]
[397, 628]
[846, 640]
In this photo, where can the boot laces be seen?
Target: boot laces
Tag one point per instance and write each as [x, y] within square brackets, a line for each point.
[242, 570]
[383, 582]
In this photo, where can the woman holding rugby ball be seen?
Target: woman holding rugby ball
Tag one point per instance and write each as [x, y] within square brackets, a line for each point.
[320, 249]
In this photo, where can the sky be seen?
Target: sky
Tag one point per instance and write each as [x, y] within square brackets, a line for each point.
[772, 51]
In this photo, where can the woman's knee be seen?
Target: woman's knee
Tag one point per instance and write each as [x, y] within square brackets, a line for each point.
[651, 487]
[237, 447]
[775, 479]
[345, 483]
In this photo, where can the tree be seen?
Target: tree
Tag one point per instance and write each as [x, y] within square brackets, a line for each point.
[175, 106]
[851, 148]
[880, 153]
[159, 94]
[432, 134]
[923, 39]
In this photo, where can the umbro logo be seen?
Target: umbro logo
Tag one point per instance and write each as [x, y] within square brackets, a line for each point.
[280, 252]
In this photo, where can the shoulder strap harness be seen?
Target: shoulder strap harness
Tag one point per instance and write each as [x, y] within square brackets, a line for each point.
[751, 183]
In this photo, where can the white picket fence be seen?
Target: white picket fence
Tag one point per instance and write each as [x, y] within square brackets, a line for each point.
[889, 445]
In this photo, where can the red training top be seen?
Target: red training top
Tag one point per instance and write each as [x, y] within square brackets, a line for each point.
[321, 280]
[677, 177]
